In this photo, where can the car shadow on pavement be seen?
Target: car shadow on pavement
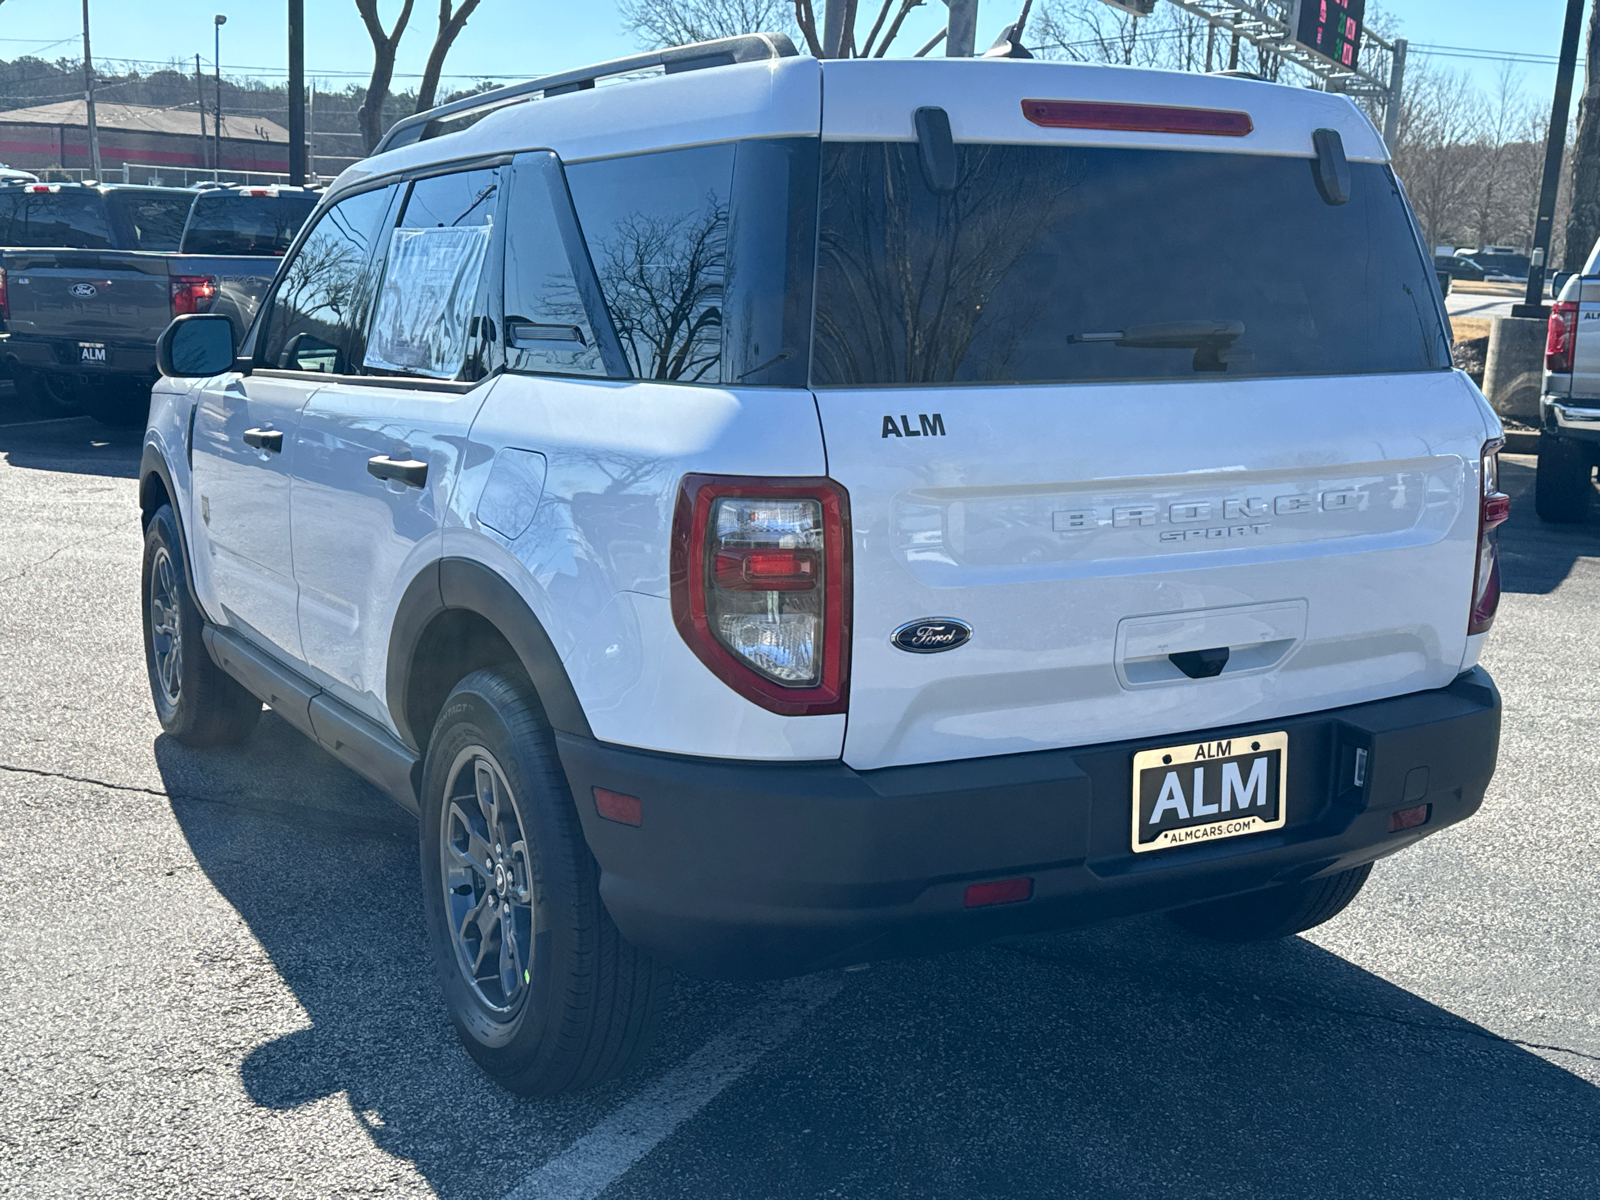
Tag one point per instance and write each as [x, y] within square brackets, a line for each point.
[1536, 556]
[1119, 1061]
[78, 445]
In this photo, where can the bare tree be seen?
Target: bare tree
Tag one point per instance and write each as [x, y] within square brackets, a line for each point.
[450, 26]
[1583, 225]
[1438, 149]
[369, 119]
[679, 22]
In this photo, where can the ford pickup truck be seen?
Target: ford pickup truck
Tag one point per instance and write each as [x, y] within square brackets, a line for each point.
[91, 274]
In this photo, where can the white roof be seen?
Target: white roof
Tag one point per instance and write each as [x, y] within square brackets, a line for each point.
[873, 99]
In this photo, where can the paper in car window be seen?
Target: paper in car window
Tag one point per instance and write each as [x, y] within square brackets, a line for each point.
[420, 326]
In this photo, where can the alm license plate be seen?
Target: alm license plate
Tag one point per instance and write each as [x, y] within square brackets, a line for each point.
[1205, 791]
[91, 352]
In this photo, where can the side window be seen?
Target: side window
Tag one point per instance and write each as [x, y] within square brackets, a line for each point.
[657, 228]
[546, 319]
[312, 324]
[431, 277]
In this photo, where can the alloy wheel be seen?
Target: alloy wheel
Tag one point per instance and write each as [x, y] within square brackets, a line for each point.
[166, 640]
[488, 882]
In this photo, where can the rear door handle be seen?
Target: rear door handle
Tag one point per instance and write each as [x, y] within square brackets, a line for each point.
[407, 470]
[264, 439]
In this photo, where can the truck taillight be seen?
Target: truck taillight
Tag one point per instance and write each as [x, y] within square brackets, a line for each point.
[1563, 336]
[1494, 506]
[5, 297]
[192, 293]
[761, 587]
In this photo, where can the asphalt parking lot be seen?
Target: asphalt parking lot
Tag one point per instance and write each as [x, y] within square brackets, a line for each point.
[214, 982]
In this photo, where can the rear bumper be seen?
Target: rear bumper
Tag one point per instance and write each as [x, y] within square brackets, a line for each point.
[1572, 420]
[62, 356]
[755, 870]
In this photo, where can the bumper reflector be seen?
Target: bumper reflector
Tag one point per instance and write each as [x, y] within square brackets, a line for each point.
[1001, 891]
[1408, 818]
[615, 806]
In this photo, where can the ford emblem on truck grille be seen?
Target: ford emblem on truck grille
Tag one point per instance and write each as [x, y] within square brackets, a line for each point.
[931, 635]
[83, 290]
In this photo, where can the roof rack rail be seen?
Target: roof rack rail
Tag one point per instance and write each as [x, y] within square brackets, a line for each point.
[723, 52]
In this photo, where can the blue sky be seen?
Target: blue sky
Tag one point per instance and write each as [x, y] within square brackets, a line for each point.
[521, 38]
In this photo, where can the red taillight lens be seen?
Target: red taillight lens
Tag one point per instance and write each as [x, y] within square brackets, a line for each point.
[1141, 118]
[1563, 335]
[761, 587]
[1494, 506]
[192, 293]
[5, 297]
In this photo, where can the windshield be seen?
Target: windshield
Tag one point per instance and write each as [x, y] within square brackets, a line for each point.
[1051, 264]
[256, 225]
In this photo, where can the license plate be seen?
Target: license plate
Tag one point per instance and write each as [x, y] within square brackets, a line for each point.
[91, 352]
[1205, 791]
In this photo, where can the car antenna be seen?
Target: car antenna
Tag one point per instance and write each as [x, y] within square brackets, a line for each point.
[1009, 43]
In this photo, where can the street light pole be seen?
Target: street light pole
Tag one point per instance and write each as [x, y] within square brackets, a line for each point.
[217, 23]
[1533, 302]
[88, 94]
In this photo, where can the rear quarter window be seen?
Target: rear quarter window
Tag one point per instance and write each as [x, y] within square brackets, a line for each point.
[1056, 264]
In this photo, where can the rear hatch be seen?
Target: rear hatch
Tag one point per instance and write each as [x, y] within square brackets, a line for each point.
[1121, 401]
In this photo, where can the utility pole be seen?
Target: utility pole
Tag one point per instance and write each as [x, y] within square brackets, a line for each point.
[297, 93]
[1391, 107]
[217, 22]
[88, 92]
[200, 101]
[1533, 302]
[833, 13]
[963, 28]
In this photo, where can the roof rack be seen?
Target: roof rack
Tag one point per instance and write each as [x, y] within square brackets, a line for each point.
[723, 52]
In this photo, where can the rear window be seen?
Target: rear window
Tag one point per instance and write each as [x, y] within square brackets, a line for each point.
[251, 225]
[68, 219]
[153, 220]
[1056, 264]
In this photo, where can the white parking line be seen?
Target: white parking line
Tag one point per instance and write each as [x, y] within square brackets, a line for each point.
[40, 421]
[600, 1157]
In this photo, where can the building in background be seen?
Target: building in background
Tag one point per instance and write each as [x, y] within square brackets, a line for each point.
[161, 142]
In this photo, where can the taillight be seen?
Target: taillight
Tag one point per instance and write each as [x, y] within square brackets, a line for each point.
[761, 587]
[192, 293]
[1494, 506]
[1563, 336]
[5, 297]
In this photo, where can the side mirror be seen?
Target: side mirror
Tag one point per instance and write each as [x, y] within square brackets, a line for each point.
[196, 345]
[1557, 282]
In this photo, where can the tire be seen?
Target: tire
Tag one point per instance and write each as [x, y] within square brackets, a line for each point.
[50, 395]
[1561, 487]
[588, 1003]
[196, 701]
[1275, 912]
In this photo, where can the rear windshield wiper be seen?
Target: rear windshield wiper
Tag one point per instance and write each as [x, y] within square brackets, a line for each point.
[1211, 341]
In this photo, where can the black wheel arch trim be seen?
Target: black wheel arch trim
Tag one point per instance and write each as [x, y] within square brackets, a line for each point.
[153, 465]
[465, 584]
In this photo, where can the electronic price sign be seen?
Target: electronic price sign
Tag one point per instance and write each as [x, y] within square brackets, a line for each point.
[1332, 28]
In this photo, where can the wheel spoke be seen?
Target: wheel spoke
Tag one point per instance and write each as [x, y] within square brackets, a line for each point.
[488, 792]
[510, 958]
[476, 855]
[521, 873]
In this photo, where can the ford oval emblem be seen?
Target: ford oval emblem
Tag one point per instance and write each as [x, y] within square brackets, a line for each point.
[83, 290]
[931, 635]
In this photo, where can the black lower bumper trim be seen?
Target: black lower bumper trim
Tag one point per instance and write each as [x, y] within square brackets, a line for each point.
[758, 870]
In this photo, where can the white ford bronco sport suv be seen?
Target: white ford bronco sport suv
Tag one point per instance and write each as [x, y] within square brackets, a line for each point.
[775, 514]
